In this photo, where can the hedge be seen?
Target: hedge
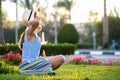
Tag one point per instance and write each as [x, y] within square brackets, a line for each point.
[50, 49]
[54, 49]
[9, 47]
[85, 46]
[68, 34]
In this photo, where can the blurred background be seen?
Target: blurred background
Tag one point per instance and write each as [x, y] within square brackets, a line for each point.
[97, 22]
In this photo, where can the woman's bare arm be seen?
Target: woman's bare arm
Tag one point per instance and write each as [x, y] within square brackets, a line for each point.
[34, 25]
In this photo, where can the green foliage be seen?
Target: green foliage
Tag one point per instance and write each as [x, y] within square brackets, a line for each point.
[8, 48]
[55, 49]
[87, 37]
[5, 22]
[26, 3]
[50, 49]
[11, 33]
[114, 28]
[85, 46]
[6, 68]
[11, 37]
[12, 58]
[98, 29]
[65, 3]
[68, 34]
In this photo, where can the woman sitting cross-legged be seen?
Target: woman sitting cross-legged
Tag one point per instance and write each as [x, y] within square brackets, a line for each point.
[30, 43]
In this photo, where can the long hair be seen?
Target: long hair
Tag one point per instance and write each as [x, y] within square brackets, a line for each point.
[28, 15]
[21, 40]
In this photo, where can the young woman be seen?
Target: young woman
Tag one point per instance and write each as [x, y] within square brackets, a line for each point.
[30, 43]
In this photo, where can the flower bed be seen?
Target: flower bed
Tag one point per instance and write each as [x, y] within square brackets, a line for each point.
[90, 61]
[12, 58]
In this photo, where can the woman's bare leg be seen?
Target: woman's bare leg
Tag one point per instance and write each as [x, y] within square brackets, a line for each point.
[56, 61]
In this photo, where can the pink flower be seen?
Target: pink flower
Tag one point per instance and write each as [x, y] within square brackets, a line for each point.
[90, 61]
[1, 56]
[17, 56]
[12, 56]
[78, 59]
[93, 61]
[107, 63]
[96, 61]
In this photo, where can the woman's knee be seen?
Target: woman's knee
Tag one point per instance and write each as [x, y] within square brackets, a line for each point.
[62, 57]
[56, 61]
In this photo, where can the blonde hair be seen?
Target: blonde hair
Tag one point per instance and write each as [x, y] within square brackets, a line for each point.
[28, 15]
[21, 40]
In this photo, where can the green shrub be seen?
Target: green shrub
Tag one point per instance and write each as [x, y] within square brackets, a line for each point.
[12, 58]
[55, 49]
[85, 46]
[68, 34]
[50, 49]
[6, 68]
[8, 48]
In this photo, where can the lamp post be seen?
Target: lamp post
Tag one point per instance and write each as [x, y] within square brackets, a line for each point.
[93, 34]
[94, 40]
[55, 23]
[16, 24]
[105, 26]
[16, 28]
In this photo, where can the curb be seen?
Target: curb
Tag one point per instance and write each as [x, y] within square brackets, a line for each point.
[96, 52]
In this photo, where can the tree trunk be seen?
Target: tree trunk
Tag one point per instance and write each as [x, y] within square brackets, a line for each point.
[1, 29]
[105, 27]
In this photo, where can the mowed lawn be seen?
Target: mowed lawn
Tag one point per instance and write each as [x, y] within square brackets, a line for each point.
[73, 72]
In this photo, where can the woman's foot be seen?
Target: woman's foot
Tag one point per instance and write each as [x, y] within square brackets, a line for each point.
[51, 74]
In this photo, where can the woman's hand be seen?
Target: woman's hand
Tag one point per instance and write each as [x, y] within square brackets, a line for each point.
[27, 23]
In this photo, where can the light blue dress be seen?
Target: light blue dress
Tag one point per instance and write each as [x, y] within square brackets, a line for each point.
[30, 62]
[31, 50]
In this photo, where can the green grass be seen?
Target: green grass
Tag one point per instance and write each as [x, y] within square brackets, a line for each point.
[73, 72]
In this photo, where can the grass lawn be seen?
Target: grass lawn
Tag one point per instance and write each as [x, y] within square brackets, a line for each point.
[73, 72]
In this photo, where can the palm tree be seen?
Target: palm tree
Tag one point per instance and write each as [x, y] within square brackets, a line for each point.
[105, 27]
[67, 4]
[1, 28]
[27, 4]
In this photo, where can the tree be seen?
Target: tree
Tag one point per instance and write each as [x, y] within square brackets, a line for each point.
[1, 28]
[68, 34]
[27, 4]
[6, 24]
[67, 4]
[93, 17]
[114, 28]
[105, 27]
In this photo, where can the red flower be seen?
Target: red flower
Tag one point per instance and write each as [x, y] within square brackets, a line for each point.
[93, 61]
[107, 63]
[1, 57]
[78, 59]
[12, 56]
